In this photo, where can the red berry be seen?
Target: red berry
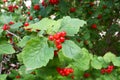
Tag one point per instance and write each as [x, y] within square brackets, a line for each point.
[94, 26]
[91, 4]
[63, 34]
[62, 39]
[55, 52]
[86, 75]
[11, 8]
[103, 71]
[28, 13]
[18, 77]
[56, 36]
[51, 38]
[11, 22]
[54, 2]
[104, 6]
[108, 70]
[59, 46]
[5, 27]
[36, 7]
[26, 24]
[43, 3]
[15, 7]
[57, 42]
[99, 16]
[30, 18]
[111, 67]
[72, 9]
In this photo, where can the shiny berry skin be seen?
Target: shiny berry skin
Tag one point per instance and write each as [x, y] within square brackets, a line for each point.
[11, 22]
[53, 2]
[30, 18]
[6, 27]
[93, 26]
[72, 9]
[63, 34]
[59, 46]
[62, 39]
[26, 24]
[86, 75]
[51, 38]
[111, 67]
[36, 7]
[18, 77]
[56, 36]
[99, 16]
[57, 42]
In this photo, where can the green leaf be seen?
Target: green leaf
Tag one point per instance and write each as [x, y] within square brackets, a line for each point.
[83, 62]
[16, 26]
[71, 25]
[71, 50]
[3, 76]
[6, 49]
[36, 53]
[23, 42]
[108, 57]
[95, 63]
[116, 61]
[5, 19]
[44, 24]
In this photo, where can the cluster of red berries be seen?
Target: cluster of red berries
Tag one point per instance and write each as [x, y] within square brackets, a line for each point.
[54, 2]
[36, 7]
[86, 75]
[65, 71]
[58, 38]
[11, 8]
[108, 70]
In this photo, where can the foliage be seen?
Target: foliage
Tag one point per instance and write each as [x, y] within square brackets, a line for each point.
[60, 40]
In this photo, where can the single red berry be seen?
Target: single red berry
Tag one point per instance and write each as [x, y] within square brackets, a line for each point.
[54, 2]
[59, 46]
[103, 71]
[91, 4]
[72, 9]
[72, 77]
[51, 38]
[108, 71]
[56, 36]
[28, 13]
[94, 26]
[11, 8]
[44, 4]
[86, 75]
[36, 7]
[26, 24]
[55, 52]
[62, 39]
[104, 6]
[30, 18]
[71, 70]
[18, 77]
[99, 16]
[63, 34]
[5, 27]
[57, 42]
[111, 67]
[11, 23]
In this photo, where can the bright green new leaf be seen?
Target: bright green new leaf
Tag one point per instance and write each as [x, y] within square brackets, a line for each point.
[83, 62]
[36, 53]
[6, 49]
[95, 63]
[108, 57]
[71, 25]
[71, 50]
[16, 26]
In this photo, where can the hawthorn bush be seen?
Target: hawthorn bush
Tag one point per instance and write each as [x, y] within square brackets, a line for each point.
[60, 40]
